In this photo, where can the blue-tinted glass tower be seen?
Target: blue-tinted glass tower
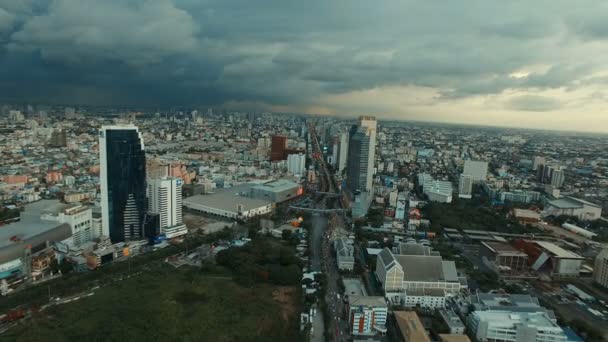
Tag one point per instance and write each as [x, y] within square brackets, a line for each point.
[123, 182]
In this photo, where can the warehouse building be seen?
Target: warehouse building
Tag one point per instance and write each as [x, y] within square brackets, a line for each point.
[503, 257]
[31, 234]
[233, 203]
[571, 206]
[547, 257]
[276, 191]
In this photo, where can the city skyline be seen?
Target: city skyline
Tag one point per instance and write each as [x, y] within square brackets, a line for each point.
[507, 65]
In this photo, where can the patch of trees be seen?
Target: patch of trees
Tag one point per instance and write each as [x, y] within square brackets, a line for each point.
[261, 260]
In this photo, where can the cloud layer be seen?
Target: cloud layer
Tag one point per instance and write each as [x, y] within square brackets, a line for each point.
[486, 62]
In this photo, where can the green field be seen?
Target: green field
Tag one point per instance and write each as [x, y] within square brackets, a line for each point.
[166, 304]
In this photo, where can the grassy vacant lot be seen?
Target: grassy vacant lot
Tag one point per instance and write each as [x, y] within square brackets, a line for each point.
[470, 215]
[166, 304]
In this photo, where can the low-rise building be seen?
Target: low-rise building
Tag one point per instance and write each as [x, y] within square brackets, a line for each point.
[410, 327]
[512, 318]
[344, 254]
[453, 322]
[572, 206]
[503, 257]
[524, 216]
[400, 273]
[367, 315]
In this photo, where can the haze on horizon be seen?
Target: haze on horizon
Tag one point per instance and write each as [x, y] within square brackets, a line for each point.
[538, 64]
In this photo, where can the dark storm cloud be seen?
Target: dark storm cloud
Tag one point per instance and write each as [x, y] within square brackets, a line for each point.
[280, 52]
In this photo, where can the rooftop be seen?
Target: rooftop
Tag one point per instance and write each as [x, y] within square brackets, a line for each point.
[227, 199]
[31, 223]
[510, 320]
[277, 185]
[366, 301]
[410, 326]
[503, 248]
[557, 250]
[454, 338]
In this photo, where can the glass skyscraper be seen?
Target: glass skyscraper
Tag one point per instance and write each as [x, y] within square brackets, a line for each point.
[361, 155]
[123, 182]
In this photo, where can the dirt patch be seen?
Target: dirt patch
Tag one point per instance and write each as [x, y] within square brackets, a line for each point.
[286, 297]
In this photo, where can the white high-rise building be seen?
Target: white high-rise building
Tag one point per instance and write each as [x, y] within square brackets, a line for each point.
[165, 199]
[342, 151]
[478, 170]
[465, 186]
[296, 164]
[78, 217]
[600, 271]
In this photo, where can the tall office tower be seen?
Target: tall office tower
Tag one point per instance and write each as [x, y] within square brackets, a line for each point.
[600, 271]
[165, 200]
[361, 155]
[465, 186]
[278, 146]
[342, 151]
[123, 182]
[537, 162]
[478, 170]
[360, 171]
[296, 164]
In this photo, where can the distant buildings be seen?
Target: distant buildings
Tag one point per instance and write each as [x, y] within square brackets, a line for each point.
[600, 270]
[58, 139]
[572, 206]
[165, 200]
[361, 155]
[342, 152]
[435, 190]
[367, 314]
[551, 174]
[478, 170]
[123, 182]
[296, 164]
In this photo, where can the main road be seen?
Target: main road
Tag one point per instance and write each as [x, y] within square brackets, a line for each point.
[324, 230]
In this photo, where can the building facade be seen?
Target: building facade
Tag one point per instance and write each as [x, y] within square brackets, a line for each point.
[296, 164]
[600, 271]
[367, 315]
[361, 155]
[123, 182]
[478, 170]
[465, 186]
[165, 199]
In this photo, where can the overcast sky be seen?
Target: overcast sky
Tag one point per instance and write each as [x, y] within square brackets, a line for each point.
[539, 64]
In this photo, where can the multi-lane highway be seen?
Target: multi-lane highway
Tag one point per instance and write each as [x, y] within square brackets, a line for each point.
[324, 230]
